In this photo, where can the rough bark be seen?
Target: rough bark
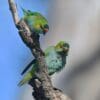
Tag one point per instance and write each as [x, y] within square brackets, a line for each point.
[43, 89]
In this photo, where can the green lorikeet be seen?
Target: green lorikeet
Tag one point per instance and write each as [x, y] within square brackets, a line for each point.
[55, 57]
[36, 22]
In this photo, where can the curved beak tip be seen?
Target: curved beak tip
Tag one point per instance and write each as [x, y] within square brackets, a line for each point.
[46, 30]
[66, 49]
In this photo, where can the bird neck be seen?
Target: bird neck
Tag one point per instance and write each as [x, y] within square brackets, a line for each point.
[63, 55]
[64, 59]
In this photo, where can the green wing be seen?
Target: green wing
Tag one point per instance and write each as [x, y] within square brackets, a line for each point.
[35, 21]
[26, 79]
[29, 75]
[39, 18]
[49, 50]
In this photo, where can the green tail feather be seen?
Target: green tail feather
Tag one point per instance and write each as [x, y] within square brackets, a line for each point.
[24, 11]
[28, 76]
[26, 79]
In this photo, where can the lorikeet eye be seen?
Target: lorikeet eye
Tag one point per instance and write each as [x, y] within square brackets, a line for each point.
[46, 26]
[66, 45]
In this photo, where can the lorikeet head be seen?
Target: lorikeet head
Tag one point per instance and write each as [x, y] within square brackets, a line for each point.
[62, 47]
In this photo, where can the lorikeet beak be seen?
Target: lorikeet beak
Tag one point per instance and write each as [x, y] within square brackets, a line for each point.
[45, 31]
[65, 49]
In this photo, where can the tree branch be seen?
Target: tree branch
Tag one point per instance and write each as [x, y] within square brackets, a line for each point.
[45, 88]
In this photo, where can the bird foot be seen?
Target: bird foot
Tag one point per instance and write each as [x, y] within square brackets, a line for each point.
[57, 89]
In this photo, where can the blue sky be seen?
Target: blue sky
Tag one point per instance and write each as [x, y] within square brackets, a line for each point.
[14, 55]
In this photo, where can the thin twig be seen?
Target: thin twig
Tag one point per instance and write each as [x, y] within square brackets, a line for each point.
[13, 9]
